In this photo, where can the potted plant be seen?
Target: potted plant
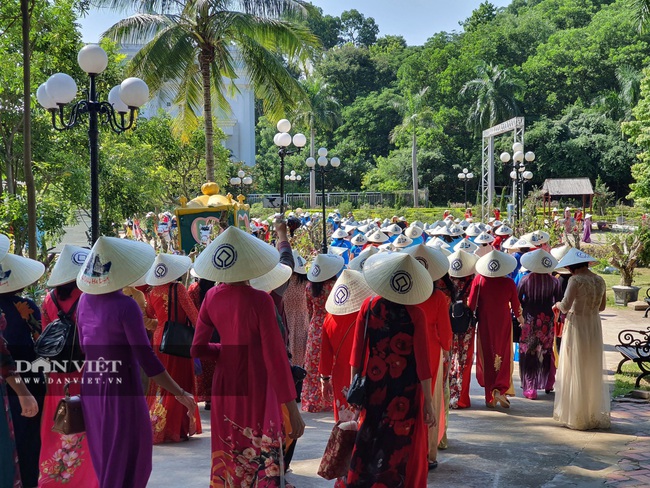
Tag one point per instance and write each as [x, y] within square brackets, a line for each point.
[626, 250]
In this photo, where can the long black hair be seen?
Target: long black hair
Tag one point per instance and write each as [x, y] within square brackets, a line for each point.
[317, 288]
[204, 286]
[63, 292]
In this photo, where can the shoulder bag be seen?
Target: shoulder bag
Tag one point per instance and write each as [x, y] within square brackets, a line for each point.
[460, 315]
[177, 336]
[59, 341]
[357, 392]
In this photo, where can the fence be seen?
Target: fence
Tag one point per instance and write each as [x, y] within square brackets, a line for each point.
[385, 199]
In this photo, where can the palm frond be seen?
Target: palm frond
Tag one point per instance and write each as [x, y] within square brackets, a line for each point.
[641, 12]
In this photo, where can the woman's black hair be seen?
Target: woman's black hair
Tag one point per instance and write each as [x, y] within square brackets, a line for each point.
[317, 288]
[301, 277]
[63, 292]
[450, 286]
[573, 267]
[204, 286]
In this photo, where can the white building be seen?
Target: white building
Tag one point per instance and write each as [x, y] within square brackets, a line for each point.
[238, 124]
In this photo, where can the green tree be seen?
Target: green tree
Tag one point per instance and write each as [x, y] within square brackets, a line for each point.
[485, 13]
[191, 46]
[357, 29]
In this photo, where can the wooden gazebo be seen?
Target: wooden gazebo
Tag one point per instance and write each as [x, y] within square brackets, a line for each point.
[568, 187]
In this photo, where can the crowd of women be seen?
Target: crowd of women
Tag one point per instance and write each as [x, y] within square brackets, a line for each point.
[405, 307]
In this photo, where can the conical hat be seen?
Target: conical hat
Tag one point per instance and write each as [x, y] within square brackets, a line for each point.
[236, 256]
[484, 238]
[413, 231]
[539, 261]
[472, 230]
[456, 230]
[358, 263]
[504, 230]
[433, 260]
[337, 250]
[398, 277]
[324, 267]
[539, 237]
[464, 224]
[143, 279]
[402, 241]
[574, 256]
[522, 243]
[417, 223]
[348, 293]
[437, 242]
[339, 234]
[466, 245]
[558, 253]
[17, 272]
[299, 263]
[377, 237]
[510, 242]
[4, 246]
[275, 278]
[167, 268]
[114, 263]
[349, 227]
[496, 223]
[496, 264]
[394, 229]
[461, 264]
[365, 228]
[68, 264]
[358, 240]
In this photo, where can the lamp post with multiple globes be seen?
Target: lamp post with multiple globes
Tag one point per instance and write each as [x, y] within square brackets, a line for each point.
[240, 180]
[322, 164]
[465, 176]
[283, 140]
[519, 174]
[126, 98]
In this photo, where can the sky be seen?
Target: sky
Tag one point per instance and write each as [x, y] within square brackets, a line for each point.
[415, 20]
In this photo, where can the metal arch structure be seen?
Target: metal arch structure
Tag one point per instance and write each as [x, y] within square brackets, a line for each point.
[515, 125]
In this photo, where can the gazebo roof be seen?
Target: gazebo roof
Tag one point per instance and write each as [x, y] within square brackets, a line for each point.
[567, 187]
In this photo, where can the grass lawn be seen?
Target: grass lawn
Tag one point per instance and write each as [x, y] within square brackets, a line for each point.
[624, 382]
[641, 278]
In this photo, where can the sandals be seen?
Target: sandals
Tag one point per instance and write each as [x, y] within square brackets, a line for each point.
[500, 399]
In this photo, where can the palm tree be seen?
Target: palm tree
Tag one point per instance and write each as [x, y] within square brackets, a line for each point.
[191, 48]
[493, 92]
[416, 114]
[320, 112]
[641, 9]
[629, 81]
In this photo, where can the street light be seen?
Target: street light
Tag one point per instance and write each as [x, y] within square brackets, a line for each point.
[240, 180]
[60, 89]
[465, 176]
[322, 164]
[283, 140]
[519, 175]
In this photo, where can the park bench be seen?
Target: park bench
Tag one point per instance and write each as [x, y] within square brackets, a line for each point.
[635, 346]
[647, 301]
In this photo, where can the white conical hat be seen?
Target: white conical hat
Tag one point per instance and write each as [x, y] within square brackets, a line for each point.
[358, 262]
[510, 242]
[337, 250]
[17, 272]
[558, 253]
[539, 237]
[417, 223]
[402, 241]
[339, 234]
[466, 245]
[348, 293]
[4, 246]
[143, 279]
[437, 242]
[167, 268]
[236, 256]
[484, 238]
[413, 231]
[464, 224]
[522, 243]
[299, 263]
[461, 264]
[496, 223]
[365, 228]
[324, 267]
[398, 277]
[539, 261]
[433, 260]
[574, 256]
[496, 264]
[359, 240]
[472, 230]
[456, 230]
[114, 263]
[504, 230]
[377, 237]
[394, 229]
[349, 227]
[275, 278]
[68, 264]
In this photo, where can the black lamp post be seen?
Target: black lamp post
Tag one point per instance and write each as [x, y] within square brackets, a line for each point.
[322, 164]
[283, 140]
[465, 176]
[240, 180]
[519, 175]
[60, 89]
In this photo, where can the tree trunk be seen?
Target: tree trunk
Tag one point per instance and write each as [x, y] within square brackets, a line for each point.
[414, 162]
[27, 133]
[207, 116]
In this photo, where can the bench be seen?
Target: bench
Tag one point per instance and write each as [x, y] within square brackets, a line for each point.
[635, 346]
[647, 301]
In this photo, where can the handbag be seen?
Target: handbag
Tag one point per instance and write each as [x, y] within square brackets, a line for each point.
[59, 341]
[460, 315]
[516, 330]
[338, 452]
[177, 336]
[474, 321]
[69, 418]
[357, 392]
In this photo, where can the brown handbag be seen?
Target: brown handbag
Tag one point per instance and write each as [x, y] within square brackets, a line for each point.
[69, 418]
[338, 453]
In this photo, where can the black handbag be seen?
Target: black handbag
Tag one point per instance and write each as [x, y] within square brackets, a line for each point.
[59, 341]
[516, 330]
[357, 391]
[69, 417]
[177, 336]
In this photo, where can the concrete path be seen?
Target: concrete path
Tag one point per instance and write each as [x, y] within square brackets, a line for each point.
[519, 447]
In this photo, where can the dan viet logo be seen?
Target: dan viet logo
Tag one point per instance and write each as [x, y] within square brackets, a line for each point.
[46, 366]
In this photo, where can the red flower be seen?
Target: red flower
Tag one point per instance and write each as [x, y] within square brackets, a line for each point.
[403, 427]
[402, 344]
[397, 408]
[396, 365]
[378, 397]
[376, 368]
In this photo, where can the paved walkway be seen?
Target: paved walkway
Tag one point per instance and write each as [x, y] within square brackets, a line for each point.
[519, 447]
